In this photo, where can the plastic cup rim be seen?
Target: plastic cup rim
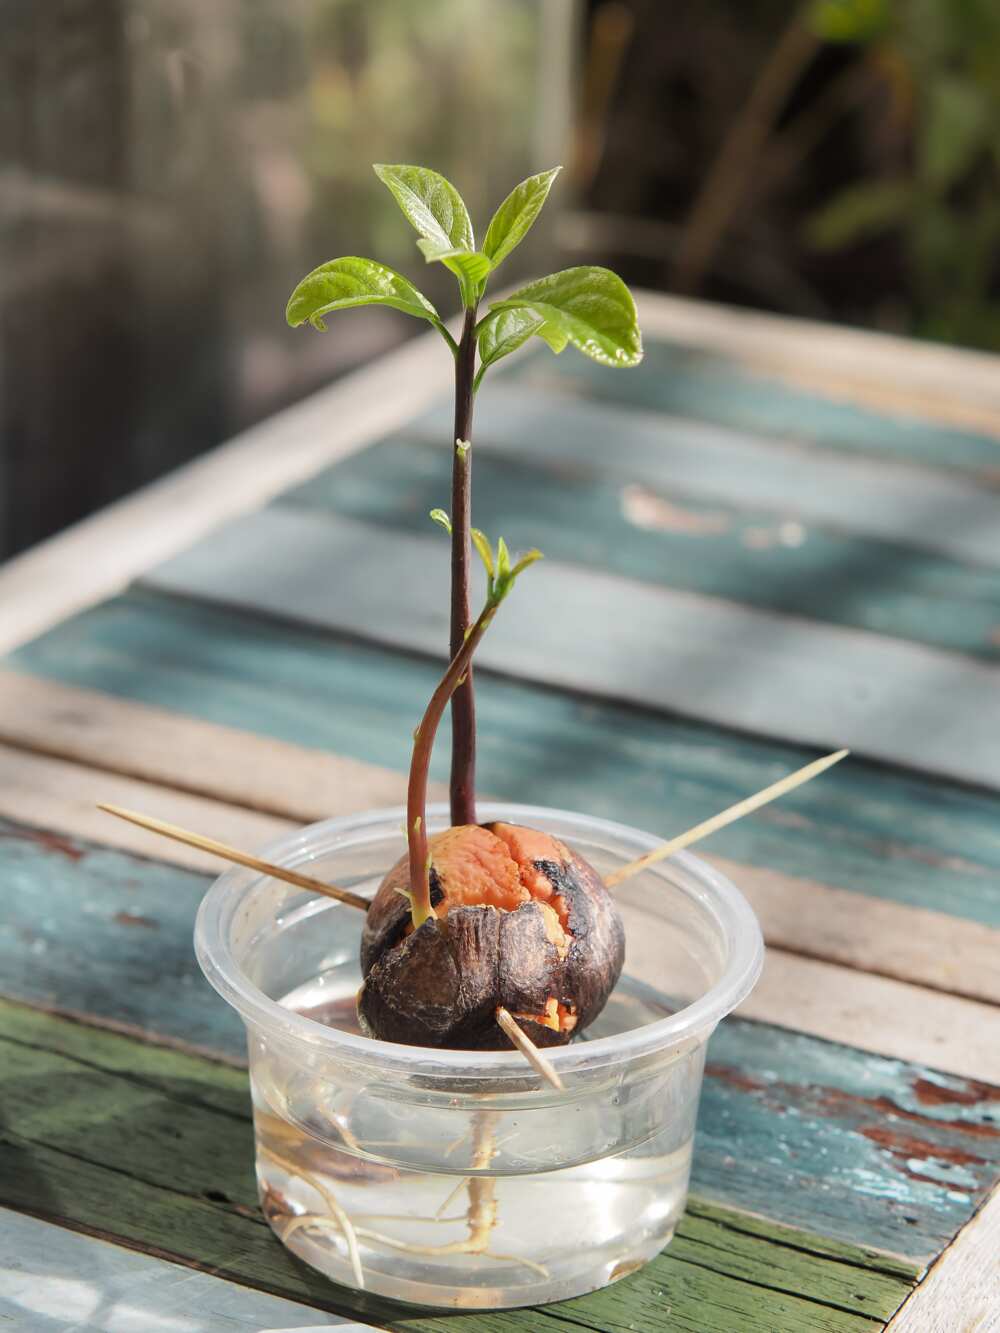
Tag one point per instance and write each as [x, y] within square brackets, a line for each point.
[731, 912]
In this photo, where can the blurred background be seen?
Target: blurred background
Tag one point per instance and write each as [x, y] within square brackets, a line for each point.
[170, 168]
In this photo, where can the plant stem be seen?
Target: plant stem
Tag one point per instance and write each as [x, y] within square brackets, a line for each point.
[423, 744]
[463, 704]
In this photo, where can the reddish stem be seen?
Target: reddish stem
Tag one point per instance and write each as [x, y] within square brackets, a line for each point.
[463, 704]
[423, 744]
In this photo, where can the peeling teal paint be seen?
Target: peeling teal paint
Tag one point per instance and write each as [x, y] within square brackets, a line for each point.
[866, 828]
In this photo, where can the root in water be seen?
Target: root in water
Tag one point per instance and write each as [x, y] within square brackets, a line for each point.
[480, 1217]
[340, 1219]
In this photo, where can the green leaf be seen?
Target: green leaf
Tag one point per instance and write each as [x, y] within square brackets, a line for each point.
[482, 544]
[431, 204]
[556, 337]
[469, 266]
[527, 559]
[859, 212]
[441, 518]
[590, 307]
[513, 219]
[503, 332]
[344, 283]
[467, 263]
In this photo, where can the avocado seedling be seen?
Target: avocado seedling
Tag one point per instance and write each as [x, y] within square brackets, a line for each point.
[481, 918]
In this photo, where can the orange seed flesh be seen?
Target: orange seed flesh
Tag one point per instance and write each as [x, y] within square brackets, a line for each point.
[495, 868]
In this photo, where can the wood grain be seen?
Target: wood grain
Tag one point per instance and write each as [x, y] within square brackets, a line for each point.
[930, 509]
[654, 533]
[110, 733]
[754, 393]
[889, 835]
[798, 915]
[917, 379]
[819, 1149]
[878, 1014]
[78, 1279]
[72, 1093]
[814, 684]
[62, 797]
[960, 1293]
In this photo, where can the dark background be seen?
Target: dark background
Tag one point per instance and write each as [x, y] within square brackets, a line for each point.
[170, 168]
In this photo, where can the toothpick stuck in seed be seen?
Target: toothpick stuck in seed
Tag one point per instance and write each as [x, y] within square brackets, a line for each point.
[539, 1062]
[520, 1039]
[239, 858]
[725, 817]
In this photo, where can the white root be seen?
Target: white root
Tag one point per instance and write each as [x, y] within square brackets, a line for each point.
[343, 1222]
[480, 1217]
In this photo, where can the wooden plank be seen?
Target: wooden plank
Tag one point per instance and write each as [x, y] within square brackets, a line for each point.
[926, 508]
[814, 684]
[120, 908]
[61, 797]
[963, 1285]
[148, 743]
[753, 391]
[866, 1149]
[78, 1280]
[871, 934]
[905, 1183]
[591, 518]
[839, 925]
[917, 378]
[891, 835]
[96, 557]
[878, 1014]
[71, 1091]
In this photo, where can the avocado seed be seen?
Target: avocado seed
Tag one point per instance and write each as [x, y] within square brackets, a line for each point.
[520, 921]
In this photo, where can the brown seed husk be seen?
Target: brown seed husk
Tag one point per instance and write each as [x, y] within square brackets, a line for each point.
[441, 984]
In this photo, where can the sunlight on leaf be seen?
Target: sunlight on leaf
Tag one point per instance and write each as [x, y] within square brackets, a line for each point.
[345, 283]
[588, 306]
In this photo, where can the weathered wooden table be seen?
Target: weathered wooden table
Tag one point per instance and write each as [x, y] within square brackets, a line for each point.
[768, 540]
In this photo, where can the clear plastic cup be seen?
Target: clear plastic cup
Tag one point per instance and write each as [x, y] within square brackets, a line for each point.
[459, 1178]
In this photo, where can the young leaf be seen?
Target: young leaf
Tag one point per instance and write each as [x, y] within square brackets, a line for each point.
[441, 518]
[556, 337]
[504, 331]
[431, 204]
[481, 542]
[469, 266]
[512, 220]
[591, 307]
[344, 283]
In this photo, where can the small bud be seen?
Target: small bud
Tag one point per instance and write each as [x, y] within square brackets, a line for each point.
[482, 545]
[441, 518]
[416, 824]
[462, 447]
[527, 559]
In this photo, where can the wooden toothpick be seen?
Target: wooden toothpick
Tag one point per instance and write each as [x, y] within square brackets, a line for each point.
[520, 1038]
[240, 858]
[528, 1049]
[725, 817]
